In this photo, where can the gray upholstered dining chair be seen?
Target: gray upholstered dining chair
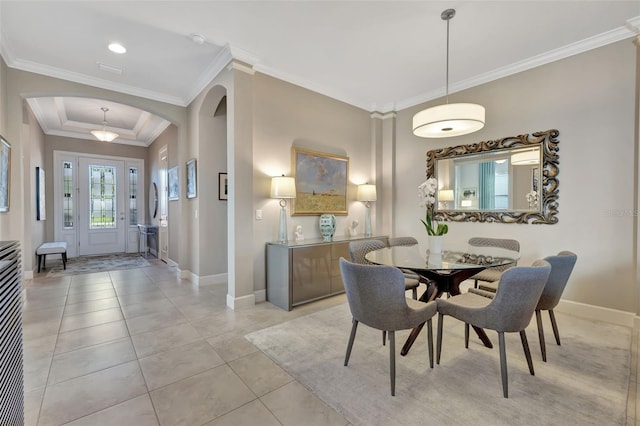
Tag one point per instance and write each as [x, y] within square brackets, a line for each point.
[561, 267]
[358, 250]
[493, 274]
[402, 241]
[510, 310]
[377, 299]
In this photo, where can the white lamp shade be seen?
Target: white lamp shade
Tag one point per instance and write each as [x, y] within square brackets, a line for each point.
[448, 120]
[283, 187]
[104, 135]
[525, 157]
[445, 195]
[366, 192]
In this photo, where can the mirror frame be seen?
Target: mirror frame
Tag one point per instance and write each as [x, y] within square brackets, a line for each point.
[153, 201]
[548, 142]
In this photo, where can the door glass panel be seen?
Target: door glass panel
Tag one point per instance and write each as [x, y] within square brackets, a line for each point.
[67, 201]
[102, 202]
[133, 196]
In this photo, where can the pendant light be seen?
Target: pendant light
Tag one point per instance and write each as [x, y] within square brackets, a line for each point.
[104, 135]
[448, 120]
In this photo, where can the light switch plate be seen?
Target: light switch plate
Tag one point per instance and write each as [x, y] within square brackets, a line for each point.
[258, 214]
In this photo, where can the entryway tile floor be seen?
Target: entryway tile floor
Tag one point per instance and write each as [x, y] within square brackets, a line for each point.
[143, 347]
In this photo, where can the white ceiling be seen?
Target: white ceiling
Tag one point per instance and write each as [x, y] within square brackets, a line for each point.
[377, 55]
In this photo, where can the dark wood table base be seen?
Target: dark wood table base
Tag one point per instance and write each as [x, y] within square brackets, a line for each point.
[447, 281]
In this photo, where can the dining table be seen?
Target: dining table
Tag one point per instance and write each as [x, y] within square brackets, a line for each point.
[446, 271]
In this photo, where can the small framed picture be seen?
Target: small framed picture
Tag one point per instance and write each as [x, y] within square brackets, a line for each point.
[191, 178]
[172, 177]
[223, 187]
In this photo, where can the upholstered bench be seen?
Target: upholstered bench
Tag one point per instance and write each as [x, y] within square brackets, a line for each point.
[56, 247]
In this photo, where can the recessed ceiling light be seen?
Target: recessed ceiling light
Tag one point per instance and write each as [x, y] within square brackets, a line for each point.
[198, 38]
[117, 48]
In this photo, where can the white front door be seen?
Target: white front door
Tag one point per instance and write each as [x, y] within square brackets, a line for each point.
[101, 210]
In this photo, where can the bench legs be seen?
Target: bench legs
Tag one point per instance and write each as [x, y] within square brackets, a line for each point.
[42, 260]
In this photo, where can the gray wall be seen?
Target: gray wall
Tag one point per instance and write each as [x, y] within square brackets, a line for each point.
[168, 138]
[21, 85]
[590, 99]
[285, 116]
[34, 156]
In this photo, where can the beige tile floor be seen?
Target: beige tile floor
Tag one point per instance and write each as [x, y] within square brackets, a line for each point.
[142, 347]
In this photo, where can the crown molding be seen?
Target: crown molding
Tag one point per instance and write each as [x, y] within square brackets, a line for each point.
[91, 81]
[384, 116]
[239, 66]
[75, 135]
[247, 62]
[572, 49]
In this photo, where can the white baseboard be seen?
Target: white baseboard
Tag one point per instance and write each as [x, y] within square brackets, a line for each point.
[171, 263]
[214, 279]
[241, 302]
[261, 295]
[598, 313]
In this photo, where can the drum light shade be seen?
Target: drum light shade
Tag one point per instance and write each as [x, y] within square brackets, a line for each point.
[448, 120]
[444, 121]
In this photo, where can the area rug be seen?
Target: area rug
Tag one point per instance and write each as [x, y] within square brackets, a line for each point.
[90, 264]
[585, 381]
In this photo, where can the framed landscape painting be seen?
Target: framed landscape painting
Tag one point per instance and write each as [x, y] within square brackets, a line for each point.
[321, 182]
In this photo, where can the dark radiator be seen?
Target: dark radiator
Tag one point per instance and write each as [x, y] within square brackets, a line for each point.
[11, 386]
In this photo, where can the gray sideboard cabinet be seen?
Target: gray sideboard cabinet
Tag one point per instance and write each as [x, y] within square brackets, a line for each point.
[308, 270]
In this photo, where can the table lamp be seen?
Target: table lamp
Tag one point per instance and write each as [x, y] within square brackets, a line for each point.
[367, 194]
[444, 196]
[283, 187]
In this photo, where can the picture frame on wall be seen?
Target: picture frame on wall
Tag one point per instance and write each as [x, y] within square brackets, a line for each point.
[321, 182]
[172, 180]
[223, 187]
[191, 178]
[41, 211]
[5, 174]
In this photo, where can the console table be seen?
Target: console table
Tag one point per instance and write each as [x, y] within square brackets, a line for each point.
[308, 270]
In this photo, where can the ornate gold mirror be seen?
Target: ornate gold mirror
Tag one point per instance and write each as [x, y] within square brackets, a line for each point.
[508, 180]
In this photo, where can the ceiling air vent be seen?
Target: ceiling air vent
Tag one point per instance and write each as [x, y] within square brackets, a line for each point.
[110, 68]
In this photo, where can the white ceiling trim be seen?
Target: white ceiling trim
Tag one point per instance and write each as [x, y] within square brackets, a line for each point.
[39, 114]
[594, 42]
[226, 55]
[70, 134]
[90, 81]
[229, 53]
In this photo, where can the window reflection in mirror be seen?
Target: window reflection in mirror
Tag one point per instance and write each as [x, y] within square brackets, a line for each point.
[500, 180]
